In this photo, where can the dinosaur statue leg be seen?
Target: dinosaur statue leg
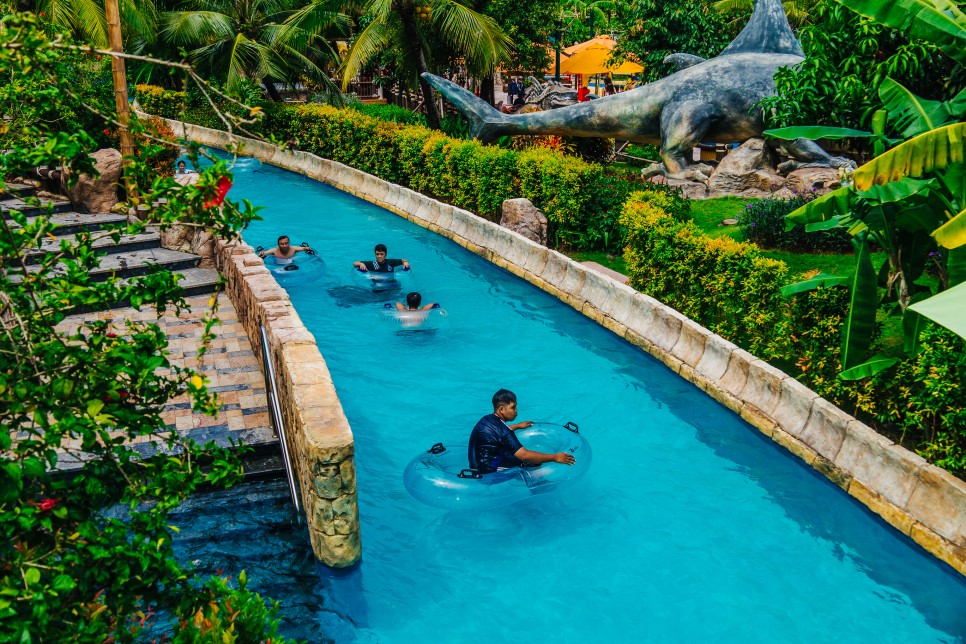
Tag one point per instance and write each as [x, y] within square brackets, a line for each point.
[804, 153]
[683, 125]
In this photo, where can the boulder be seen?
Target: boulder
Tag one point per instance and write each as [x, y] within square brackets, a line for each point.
[521, 216]
[690, 189]
[748, 170]
[178, 238]
[821, 180]
[97, 195]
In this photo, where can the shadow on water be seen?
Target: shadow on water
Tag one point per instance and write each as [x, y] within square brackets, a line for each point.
[832, 516]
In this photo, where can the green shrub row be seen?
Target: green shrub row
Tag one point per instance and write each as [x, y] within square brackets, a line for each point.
[582, 202]
[731, 289]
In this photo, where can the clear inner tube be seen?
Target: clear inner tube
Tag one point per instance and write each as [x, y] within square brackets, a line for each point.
[383, 280]
[409, 320]
[440, 477]
[302, 266]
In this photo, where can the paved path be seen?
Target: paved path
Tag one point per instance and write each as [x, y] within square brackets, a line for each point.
[230, 365]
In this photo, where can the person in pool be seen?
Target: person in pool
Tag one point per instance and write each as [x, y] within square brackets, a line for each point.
[382, 264]
[284, 252]
[494, 445]
[413, 301]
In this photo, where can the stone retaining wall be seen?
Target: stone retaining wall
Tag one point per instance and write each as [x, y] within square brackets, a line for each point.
[320, 440]
[920, 500]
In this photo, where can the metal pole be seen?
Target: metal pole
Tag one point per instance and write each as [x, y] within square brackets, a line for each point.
[559, 38]
[276, 416]
[116, 42]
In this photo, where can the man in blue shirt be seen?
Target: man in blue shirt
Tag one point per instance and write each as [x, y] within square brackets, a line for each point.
[382, 264]
[493, 444]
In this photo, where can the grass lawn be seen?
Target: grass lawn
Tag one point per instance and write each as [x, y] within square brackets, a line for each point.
[708, 214]
[613, 262]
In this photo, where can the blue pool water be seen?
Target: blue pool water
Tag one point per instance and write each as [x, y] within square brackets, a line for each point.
[689, 525]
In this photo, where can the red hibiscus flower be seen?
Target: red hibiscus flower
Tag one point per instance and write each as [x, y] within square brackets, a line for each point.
[221, 189]
[47, 504]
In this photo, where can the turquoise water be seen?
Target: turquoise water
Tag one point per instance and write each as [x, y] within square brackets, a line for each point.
[689, 525]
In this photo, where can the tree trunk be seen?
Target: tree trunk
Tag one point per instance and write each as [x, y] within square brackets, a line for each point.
[415, 51]
[271, 89]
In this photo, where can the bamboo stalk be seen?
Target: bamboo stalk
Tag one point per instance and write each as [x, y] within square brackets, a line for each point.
[119, 73]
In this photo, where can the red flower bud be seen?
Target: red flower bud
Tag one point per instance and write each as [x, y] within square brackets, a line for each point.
[123, 394]
[110, 335]
[47, 504]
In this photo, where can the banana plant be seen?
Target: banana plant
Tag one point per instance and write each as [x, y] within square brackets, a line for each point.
[910, 201]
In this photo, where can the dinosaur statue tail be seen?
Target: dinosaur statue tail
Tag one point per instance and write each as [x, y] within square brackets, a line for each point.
[486, 123]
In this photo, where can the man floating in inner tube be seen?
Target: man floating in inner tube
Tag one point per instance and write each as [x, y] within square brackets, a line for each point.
[382, 264]
[494, 446]
[284, 252]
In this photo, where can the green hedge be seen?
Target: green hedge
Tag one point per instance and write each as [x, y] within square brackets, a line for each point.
[731, 289]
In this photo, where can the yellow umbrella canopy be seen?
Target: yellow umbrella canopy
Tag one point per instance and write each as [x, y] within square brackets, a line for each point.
[601, 41]
[593, 60]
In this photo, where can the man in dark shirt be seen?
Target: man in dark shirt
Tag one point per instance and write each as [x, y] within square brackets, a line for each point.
[493, 444]
[382, 264]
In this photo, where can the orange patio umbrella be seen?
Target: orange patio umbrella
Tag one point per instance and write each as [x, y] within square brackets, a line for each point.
[592, 59]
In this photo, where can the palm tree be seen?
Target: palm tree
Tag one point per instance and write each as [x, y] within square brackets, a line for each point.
[260, 40]
[412, 25]
[85, 18]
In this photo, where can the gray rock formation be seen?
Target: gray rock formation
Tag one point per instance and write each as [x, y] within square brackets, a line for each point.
[748, 170]
[521, 216]
[818, 179]
[710, 100]
[97, 195]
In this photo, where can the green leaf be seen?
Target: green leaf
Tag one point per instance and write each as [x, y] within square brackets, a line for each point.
[956, 266]
[952, 234]
[860, 322]
[815, 132]
[821, 280]
[947, 309]
[912, 325]
[898, 190]
[868, 369]
[835, 203]
[32, 575]
[911, 114]
[94, 406]
[828, 224]
[63, 583]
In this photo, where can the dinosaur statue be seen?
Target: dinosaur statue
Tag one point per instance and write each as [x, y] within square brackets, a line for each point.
[705, 100]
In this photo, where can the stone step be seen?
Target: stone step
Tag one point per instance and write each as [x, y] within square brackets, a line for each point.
[134, 263]
[16, 203]
[199, 281]
[106, 245]
[19, 190]
[68, 223]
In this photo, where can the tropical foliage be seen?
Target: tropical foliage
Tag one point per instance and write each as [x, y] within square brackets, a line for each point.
[909, 201]
[87, 555]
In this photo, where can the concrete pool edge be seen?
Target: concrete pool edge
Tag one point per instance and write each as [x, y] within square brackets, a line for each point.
[920, 500]
[321, 442]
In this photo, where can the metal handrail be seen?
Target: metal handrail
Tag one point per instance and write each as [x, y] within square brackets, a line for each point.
[271, 393]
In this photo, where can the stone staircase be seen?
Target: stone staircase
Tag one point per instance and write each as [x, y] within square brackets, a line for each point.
[130, 256]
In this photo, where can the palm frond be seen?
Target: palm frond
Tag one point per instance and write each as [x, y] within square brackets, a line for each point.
[140, 18]
[196, 27]
[373, 39]
[479, 38]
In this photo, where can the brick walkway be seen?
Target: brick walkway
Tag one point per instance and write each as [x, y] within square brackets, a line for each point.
[229, 365]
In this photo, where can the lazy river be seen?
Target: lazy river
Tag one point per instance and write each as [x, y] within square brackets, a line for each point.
[690, 525]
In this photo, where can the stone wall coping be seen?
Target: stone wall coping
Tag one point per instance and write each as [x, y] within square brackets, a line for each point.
[921, 500]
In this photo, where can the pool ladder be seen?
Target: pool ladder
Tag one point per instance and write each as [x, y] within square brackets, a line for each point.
[271, 393]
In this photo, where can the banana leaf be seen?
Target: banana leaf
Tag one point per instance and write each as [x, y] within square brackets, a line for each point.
[912, 325]
[933, 150]
[952, 234]
[868, 369]
[860, 322]
[815, 132]
[939, 22]
[835, 203]
[956, 266]
[898, 190]
[819, 281]
[828, 224]
[947, 309]
[910, 113]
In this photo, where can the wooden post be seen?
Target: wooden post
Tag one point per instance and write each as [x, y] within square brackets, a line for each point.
[113, 15]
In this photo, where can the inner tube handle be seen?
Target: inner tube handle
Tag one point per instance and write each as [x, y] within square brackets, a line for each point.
[572, 426]
[470, 473]
[438, 448]
[259, 249]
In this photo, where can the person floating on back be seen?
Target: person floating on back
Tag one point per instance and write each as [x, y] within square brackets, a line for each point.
[494, 446]
[382, 264]
[284, 252]
[413, 301]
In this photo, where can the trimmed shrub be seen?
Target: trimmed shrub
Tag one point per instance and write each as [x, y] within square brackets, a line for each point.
[763, 222]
